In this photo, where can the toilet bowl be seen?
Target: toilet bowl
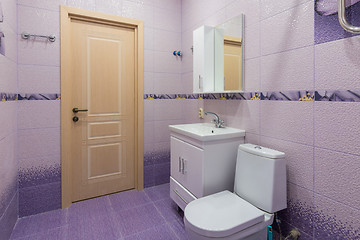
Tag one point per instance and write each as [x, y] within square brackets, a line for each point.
[259, 191]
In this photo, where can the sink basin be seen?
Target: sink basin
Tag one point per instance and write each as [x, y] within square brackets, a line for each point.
[206, 131]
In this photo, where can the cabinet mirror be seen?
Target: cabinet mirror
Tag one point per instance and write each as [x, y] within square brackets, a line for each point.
[218, 57]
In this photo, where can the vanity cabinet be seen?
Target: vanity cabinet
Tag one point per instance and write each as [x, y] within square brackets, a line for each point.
[201, 168]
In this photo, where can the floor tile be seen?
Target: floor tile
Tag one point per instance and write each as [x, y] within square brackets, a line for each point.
[158, 192]
[138, 219]
[168, 209]
[128, 199]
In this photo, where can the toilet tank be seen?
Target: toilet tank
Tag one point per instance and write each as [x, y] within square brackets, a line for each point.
[260, 177]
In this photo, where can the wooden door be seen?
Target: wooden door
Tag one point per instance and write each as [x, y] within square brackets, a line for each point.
[232, 63]
[103, 83]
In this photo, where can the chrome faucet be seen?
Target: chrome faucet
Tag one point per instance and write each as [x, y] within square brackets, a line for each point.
[218, 123]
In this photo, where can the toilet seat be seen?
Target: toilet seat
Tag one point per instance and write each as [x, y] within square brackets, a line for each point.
[222, 214]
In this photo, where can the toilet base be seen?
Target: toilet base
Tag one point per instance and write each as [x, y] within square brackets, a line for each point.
[260, 235]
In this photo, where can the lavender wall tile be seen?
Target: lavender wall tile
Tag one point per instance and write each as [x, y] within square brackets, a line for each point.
[149, 38]
[167, 110]
[9, 10]
[299, 160]
[39, 170]
[215, 18]
[161, 152]
[53, 5]
[187, 82]
[190, 110]
[167, 41]
[139, 10]
[38, 142]
[148, 82]
[84, 4]
[149, 132]
[43, 22]
[252, 75]
[294, 29]
[8, 123]
[9, 45]
[252, 138]
[299, 211]
[162, 173]
[166, 62]
[169, 83]
[38, 114]
[9, 217]
[336, 126]
[336, 176]
[113, 7]
[251, 9]
[337, 65]
[333, 220]
[8, 75]
[244, 115]
[252, 41]
[270, 8]
[291, 70]
[38, 199]
[149, 178]
[287, 121]
[38, 79]
[161, 128]
[148, 60]
[38, 52]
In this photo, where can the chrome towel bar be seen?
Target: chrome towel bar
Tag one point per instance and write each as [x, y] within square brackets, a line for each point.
[26, 35]
[342, 18]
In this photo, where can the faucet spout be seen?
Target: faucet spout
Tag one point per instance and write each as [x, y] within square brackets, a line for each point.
[218, 123]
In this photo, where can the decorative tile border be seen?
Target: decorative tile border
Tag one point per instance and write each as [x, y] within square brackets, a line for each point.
[4, 97]
[303, 95]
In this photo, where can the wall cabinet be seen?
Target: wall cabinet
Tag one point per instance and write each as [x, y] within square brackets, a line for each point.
[201, 168]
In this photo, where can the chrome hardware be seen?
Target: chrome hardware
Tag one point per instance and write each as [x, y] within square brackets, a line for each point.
[179, 164]
[218, 123]
[183, 166]
[75, 110]
[257, 147]
[342, 18]
[26, 36]
[199, 82]
[176, 192]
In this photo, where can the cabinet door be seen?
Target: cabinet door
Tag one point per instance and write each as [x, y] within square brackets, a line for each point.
[187, 166]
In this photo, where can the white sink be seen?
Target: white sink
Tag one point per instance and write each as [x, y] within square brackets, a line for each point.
[206, 131]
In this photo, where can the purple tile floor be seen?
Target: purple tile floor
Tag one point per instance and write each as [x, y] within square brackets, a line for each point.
[131, 215]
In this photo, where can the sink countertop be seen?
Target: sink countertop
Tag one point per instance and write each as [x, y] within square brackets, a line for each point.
[206, 131]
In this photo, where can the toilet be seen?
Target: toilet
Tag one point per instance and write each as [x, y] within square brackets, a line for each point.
[259, 192]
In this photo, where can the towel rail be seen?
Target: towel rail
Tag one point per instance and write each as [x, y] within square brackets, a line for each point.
[343, 21]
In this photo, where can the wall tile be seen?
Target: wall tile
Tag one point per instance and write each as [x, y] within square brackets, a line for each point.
[334, 220]
[166, 62]
[270, 8]
[169, 83]
[10, 14]
[252, 41]
[336, 175]
[43, 22]
[299, 160]
[139, 10]
[294, 29]
[113, 7]
[187, 82]
[38, 114]
[337, 65]
[292, 70]
[84, 4]
[251, 9]
[252, 138]
[244, 115]
[8, 123]
[38, 79]
[9, 43]
[148, 82]
[38, 142]
[149, 132]
[161, 128]
[167, 110]
[39, 52]
[53, 5]
[148, 60]
[190, 110]
[149, 38]
[336, 126]
[167, 41]
[8, 76]
[252, 75]
[37, 199]
[291, 121]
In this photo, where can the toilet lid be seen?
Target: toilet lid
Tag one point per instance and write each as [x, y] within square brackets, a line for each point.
[221, 214]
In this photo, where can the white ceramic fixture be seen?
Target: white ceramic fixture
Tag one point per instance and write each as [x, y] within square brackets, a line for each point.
[203, 160]
[259, 191]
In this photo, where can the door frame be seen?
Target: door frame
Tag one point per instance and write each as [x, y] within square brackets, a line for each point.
[66, 15]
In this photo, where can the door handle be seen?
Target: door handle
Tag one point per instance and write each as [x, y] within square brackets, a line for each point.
[183, 166]
[75, 110]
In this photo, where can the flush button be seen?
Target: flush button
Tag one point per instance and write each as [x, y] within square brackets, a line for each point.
[257, 147]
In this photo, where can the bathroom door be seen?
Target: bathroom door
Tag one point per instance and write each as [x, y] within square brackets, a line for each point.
[103, 90]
